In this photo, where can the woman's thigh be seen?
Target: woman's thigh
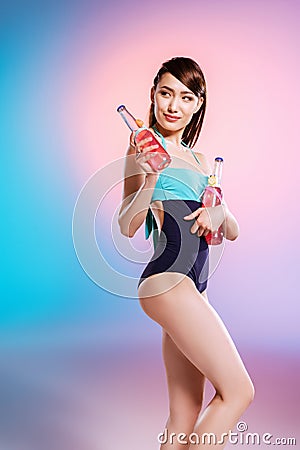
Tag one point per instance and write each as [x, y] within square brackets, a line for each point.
[198, 332]
[185, 381]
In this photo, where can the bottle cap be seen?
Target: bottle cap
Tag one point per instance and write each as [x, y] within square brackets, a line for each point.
[121, 108]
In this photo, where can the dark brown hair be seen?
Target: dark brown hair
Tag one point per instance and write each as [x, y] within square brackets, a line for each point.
[189, 73]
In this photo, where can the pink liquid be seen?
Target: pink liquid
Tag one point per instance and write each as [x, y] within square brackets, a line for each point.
[213, 197]
[157, 158]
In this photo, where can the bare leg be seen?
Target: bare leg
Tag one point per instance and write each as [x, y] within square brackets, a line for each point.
[185, 386]
[199, 333]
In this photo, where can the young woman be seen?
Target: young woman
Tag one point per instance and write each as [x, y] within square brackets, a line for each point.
[172, 288]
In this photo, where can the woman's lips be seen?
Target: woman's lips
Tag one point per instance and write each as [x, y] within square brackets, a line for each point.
[171, 118]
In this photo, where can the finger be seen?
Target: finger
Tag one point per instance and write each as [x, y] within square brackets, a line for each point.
[141, 144]
[147, 149]
[144, 141]
[202, 232]
[194, 214]
[150, 148]
[195, 227]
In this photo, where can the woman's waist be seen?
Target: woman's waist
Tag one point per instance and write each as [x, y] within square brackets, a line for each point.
[177, 202]
[177, 208]
[172, 223]
[175, 236]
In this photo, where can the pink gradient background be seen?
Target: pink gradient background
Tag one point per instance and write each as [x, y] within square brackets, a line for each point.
[82, 369]
[247, 51]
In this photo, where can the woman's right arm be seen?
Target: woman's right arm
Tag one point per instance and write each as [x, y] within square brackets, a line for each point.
[137, 192]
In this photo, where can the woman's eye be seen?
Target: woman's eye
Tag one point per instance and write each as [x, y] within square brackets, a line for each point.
[165, 93]
[187, 98]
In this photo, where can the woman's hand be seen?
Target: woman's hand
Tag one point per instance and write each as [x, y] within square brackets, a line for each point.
[141, 149]
[207, 219]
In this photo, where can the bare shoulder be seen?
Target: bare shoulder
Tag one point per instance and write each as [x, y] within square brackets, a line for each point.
[204, 162]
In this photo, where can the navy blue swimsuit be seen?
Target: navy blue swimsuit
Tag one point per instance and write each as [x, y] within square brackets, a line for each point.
[176, 249]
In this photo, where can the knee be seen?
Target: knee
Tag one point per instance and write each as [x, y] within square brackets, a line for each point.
[244, 393]
[249, 392]
[240, 395]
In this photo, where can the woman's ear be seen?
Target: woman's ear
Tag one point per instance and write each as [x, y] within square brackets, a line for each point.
[152, 94]
[200, 102]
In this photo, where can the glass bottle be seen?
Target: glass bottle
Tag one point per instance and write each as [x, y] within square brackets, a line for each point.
[212, 196]
[157, 158]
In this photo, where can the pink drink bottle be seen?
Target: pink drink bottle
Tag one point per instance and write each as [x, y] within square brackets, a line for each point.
[158, 158]
[212, 196]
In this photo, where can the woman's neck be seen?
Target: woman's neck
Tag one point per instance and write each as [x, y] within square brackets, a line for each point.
[171, 136]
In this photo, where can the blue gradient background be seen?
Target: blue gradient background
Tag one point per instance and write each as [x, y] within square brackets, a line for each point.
[81, 369]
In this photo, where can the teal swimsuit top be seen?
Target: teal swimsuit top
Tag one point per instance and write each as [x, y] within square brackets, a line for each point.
[175, 183]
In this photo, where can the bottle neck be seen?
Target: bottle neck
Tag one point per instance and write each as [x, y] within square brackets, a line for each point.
[128, 118]
[217, 173]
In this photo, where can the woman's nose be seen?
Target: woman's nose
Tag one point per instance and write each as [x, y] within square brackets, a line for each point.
[173, 105]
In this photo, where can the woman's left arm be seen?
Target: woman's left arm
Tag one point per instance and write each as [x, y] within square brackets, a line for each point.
[211, 218]
[215, 216]
[230, 225]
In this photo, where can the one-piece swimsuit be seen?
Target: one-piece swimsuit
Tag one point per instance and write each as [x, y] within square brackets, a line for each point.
[176, 249]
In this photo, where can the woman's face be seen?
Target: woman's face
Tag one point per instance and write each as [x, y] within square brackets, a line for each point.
[174, 103]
